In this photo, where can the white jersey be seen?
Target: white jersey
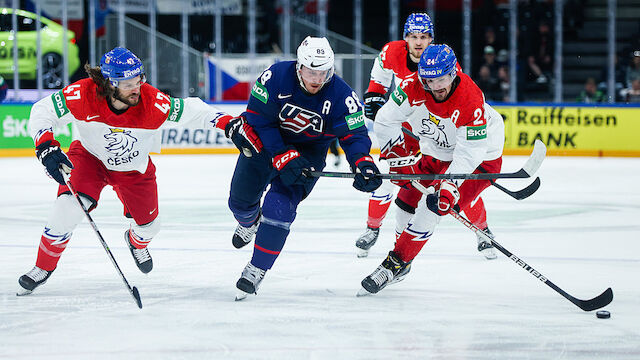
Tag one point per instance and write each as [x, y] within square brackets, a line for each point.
[464, 129]
[122, 141]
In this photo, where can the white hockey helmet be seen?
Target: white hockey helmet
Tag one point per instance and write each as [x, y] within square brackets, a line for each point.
[315, 54]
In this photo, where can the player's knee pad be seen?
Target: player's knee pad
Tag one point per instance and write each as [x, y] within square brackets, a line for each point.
[244, 213]
[147, 231]
[65, 215]
[279, 208]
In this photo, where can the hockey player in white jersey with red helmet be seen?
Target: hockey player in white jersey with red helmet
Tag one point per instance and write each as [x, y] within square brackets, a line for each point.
[459, 133]
[397, 60]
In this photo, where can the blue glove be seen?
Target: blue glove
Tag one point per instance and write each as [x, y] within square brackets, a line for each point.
[366, 180]
[291, 165]
[54, 160]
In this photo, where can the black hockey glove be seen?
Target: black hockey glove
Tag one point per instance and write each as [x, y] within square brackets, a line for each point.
[291, 165]
[243, 136]
[54, 160]
[373, 101]
[366, 180]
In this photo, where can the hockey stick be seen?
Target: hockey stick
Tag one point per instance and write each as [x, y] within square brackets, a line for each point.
[597, 302]
[530, 167]
[133, 291]
[518, 194]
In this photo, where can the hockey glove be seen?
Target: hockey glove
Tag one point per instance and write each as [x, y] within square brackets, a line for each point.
[366, 180]
[403, 158]
[54, 160]
[444, 199]
[291, 165]
[241, 133]
[373, 101]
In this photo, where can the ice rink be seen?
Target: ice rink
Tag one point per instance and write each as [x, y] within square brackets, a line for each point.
[581, 230]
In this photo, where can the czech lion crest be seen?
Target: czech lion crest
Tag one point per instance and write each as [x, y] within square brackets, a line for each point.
[120, 141]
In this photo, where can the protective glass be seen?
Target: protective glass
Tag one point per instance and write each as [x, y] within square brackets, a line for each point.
[131, 84]
[316, 77]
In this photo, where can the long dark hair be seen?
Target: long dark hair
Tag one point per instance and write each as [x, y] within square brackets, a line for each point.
[104, 88]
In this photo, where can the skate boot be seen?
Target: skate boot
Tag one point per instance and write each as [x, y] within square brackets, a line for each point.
[31, 280]
[140, 256]
[485, 247]
[366, 241]
[243, 235]
[391, 271]
[249, 281]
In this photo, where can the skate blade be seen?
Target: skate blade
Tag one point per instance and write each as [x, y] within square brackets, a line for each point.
[23, 292]
[361, 253]
[363, 292]
[241, 295]
[489, 254]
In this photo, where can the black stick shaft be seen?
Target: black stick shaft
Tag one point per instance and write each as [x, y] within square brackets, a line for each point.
[133, 291]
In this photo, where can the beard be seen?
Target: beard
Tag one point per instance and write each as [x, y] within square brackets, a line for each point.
[128, 101]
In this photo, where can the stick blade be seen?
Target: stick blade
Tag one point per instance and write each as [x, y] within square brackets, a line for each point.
[136, 296]
[537, 157]
[597, 302]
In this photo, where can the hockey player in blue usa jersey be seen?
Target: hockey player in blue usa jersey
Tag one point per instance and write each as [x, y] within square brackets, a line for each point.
[296, 108]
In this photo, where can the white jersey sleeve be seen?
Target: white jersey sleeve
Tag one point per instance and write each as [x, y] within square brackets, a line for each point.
[43, 118]
[381, 75]
[196, 114]
[388, 124]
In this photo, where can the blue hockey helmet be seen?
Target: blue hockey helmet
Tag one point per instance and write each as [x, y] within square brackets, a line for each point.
[437, 61]
[418, 23]
[120, 64]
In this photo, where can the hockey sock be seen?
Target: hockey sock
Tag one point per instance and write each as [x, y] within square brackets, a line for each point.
[410, 243]
[50, 250]
[403, 215]
[140, 235]
[377, 211]
[270, 240]
[476, 213]
[63, 218]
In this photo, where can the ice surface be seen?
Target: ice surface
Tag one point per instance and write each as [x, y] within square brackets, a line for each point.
[580, 230]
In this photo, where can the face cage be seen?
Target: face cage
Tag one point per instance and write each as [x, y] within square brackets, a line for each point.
[299, 68]
[143, 79]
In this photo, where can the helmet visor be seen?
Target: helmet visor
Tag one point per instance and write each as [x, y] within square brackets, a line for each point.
[317, 77]
[437, 83]
[132, 83]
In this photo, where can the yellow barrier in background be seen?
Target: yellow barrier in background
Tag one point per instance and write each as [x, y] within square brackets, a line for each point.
[572, 130]
[566, 130]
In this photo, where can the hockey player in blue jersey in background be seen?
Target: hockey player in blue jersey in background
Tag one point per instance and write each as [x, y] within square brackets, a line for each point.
[296, 108]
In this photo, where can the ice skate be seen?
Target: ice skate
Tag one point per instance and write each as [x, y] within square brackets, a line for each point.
[391, 271]
[249, 281]
[243, 235]
[31, 280]
[366, 241]
[140, 256]
[485, 247]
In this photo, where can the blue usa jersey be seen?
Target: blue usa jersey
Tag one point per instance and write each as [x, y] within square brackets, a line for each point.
[283, 114]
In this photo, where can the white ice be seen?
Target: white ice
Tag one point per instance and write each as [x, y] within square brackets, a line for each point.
[580, 230]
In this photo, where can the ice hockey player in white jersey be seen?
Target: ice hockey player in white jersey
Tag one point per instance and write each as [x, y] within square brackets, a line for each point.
[119, 118]
[459, 133]
[397, 60]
